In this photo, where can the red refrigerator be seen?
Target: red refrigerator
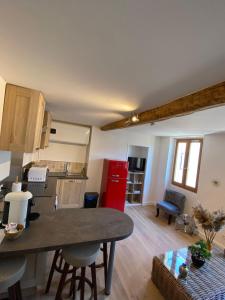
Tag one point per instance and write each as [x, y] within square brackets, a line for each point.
[114, 181]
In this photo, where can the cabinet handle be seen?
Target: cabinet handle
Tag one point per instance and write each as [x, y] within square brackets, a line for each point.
[115, 180]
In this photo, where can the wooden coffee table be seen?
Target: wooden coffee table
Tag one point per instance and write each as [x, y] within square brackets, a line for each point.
[207, 282]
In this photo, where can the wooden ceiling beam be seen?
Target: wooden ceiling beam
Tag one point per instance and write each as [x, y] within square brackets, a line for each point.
[204, 99]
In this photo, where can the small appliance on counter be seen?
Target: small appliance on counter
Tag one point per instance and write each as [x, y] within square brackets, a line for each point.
[37, 174]
[17, 208]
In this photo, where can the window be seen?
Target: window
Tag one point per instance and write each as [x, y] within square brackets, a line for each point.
[187, 163]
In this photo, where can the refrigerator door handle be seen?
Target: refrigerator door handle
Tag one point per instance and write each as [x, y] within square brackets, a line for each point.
[115, 180]
[115, 175]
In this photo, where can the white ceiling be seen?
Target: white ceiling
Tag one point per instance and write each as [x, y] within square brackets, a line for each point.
[96, 61]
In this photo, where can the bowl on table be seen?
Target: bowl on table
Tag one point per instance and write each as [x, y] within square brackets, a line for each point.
[12, 233]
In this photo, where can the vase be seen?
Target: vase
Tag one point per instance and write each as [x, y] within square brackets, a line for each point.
[209, 246]
[198, 261]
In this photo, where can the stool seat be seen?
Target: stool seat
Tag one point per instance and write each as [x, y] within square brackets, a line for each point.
[11, 271]
[81, 255]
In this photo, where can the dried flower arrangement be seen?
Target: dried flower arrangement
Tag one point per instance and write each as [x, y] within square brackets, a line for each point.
[211, 222]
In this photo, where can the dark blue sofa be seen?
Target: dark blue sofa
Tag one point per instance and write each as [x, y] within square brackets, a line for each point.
[173, 204]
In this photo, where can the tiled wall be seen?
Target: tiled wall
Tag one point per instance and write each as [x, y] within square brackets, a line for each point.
[60, 166]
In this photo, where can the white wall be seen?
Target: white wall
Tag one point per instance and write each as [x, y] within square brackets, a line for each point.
[212, 196]
[212, 169]
[165, 148]
[114, 145]
[137, 151]
[160, 177]
[70, 133]
[5, 156]
[27, 158]
[62, 152]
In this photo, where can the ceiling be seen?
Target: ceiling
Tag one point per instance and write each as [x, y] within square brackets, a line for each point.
[96, 61]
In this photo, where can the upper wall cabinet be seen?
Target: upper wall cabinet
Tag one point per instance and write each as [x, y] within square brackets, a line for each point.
[46, 130]
[70, 133]
[22, 119]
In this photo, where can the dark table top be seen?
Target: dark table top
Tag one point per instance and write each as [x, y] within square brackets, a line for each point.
[66, 227]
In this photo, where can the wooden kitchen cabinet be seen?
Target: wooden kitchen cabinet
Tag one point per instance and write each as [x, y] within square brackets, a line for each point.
[46, 130]
[70, 193]
[22, 119]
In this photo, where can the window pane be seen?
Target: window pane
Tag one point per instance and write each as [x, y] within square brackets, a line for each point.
[192, 168]
[179, 163]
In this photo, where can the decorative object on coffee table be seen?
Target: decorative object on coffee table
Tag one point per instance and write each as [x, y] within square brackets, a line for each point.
[183, 271]
[211, 222]
[199, 252]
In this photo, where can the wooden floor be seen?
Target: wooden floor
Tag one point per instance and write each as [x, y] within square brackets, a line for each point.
[133, 261]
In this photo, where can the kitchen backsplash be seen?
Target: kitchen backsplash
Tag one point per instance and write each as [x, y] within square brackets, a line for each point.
[60, 166]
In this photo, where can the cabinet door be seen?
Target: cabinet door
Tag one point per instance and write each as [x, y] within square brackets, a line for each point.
[46, 130]
[39, 122]
[22, 119]
[70, 193]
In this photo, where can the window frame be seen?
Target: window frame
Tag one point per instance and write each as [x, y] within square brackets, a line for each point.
[186, 159]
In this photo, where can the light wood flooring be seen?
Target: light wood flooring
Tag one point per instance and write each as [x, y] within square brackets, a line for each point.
[133, 261]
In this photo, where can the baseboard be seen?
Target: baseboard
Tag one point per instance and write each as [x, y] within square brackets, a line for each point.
[149, 204]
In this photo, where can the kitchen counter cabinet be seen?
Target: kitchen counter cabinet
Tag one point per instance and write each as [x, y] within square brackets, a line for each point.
[64, 175]
[22, 119]
[70, 193]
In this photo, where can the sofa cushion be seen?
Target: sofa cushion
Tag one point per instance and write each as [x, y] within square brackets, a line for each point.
[168, 207]
[175, 198]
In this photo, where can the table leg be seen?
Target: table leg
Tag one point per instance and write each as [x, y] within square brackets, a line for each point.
[110, 268]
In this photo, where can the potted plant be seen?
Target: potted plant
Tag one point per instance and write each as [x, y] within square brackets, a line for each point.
[199, 252]
[211, 223]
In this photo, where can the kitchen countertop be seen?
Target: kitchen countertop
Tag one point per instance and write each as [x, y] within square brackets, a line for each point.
[64, 175]
[66, 227]
[48, 188]
[45, 189]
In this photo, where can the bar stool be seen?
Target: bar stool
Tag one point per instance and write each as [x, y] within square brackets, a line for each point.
[79, 257]
[57, 265]
[11, 272]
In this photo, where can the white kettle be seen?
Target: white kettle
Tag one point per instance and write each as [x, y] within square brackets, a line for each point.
[16, 207]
